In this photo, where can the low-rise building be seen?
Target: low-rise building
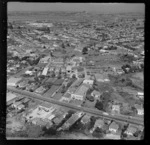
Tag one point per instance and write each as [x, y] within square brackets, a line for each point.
[140, 95]
[80, 93]
[45, 71]
[140, 109]
[85, 119]
[13, 81]
[16, 104]
[21, 106]
[116, 109]
[88, 81]
[10, 97]
[45, 59]
[113, 127]
[96, 94]
[130, 130]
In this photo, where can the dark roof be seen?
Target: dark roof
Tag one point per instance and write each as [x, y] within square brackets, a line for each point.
[51, 90]
[58, 82]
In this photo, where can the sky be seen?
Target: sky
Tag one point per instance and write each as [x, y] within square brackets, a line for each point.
[97, 7]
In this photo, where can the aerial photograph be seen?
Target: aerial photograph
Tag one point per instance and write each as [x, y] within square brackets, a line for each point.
[75, 71]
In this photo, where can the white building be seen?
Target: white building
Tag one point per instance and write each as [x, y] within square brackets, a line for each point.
[10, 96]
[45, 71]
[13, 81]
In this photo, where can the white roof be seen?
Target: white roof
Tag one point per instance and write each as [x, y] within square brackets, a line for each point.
[13, 80]
[10, 96]
[140, 93]
[45, 71]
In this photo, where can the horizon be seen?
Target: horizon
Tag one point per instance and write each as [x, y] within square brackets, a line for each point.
[106, 8]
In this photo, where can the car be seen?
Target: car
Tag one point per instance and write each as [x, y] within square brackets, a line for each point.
[105, 113]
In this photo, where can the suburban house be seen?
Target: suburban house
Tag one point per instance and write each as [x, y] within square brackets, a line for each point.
[140, 95]
[96, 94]
[45, 59]
[99, 123]
[130, 130]
[85, 119]
[140, 109]
[88, 81]
[116, 109]
[45, 71]
[113, 127]
[80, 93]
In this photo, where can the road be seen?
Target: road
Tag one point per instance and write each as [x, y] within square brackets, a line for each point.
[99, 113]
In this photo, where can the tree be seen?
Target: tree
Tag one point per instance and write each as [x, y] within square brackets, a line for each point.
[106, 96]
[98, 133]
[85, 50]
[34, 131]
[90, 98]
[99, 105]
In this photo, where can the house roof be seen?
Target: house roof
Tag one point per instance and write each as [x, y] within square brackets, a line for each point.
[13, 80]
[132, 129]
[67, 95]
[86, 118]
[116, 106]
[113, 125]
[99, 122]
[96, 92]
[81, 90]
[138, 107]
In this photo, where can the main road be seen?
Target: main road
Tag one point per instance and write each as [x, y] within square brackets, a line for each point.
[122, 118]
